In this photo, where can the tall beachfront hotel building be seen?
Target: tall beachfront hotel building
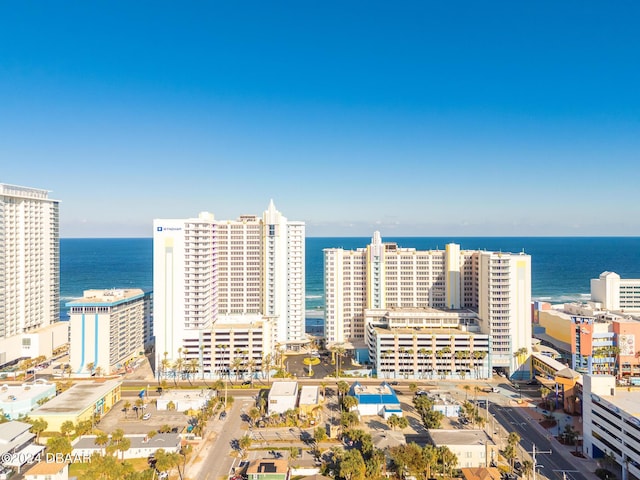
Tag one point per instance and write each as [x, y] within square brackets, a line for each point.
[366, 287]
[29, 267]
[241, 281]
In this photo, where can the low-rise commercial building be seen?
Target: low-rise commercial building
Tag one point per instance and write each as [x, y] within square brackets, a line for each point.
[16, 443]
[309, 399]
[283, 396]
[19, 400]
[141, 445]
[82, 401]
[474, 448]
[376, 400]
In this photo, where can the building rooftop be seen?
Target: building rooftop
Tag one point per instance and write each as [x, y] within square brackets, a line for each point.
[46, 468]
[14, 434]
[626, 399]
[77, 398]
[283, 388]
[427, 330]
[160, 440]
[106, 297]
[481, 473]
[309, 395]
[15, 393]
[460, 437]
[11, 430]
[268, 466]
[178, 395]
[372, 394]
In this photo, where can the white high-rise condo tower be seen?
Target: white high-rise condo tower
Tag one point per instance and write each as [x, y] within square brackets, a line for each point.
[214, 279]
[370, 282]
[29, 267]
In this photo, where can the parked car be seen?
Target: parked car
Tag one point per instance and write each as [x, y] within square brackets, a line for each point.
[223, 415]
[146, 416]
[394, 383]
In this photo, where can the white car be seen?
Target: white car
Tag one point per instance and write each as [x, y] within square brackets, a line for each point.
[146, 416]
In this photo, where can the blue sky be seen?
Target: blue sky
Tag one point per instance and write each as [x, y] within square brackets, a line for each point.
[414, 118]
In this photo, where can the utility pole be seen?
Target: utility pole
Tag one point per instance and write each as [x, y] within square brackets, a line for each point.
[535, 462]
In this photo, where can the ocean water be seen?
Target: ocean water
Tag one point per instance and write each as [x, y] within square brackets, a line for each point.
[561, 267]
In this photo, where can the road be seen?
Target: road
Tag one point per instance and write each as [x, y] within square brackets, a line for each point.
[553, 464]
[216, 461]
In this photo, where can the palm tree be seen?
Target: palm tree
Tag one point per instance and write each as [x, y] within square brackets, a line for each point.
[89, 367]
[478, 355]
[192, 369]
[126, 407]
[338, 351]
[102, 439]
[267, 363]
[429, 459]
[527, 468]
[448, 459]
[244, 443]
[466, 388]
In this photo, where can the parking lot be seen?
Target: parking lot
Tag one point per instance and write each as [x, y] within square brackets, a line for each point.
[132, 422]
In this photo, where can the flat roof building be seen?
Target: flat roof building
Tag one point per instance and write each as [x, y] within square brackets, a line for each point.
[81, 402]
[107, 329]
[20, 400]
[611, 422]
[376, 400]
[474, 448]
[283, 396]
[142, 445]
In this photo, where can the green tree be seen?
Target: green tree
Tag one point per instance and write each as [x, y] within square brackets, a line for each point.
[38, 425]
[510, 454]
[126, 407]
[254, 415]
[66, 428]
[392, 421]
[352, 465]
[102, 439]
[447, 459]
[349, 419]
[60, 445]
[343, 388]
[527, 468]
[319, 434]
[349, 402]
[123, 446]
[429, 460]
[244, 443]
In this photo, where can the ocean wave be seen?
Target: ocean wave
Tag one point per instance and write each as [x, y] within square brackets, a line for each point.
[314, 296]
[314, 313]
[564, 298]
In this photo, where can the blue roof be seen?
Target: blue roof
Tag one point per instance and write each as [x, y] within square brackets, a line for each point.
[368, 398]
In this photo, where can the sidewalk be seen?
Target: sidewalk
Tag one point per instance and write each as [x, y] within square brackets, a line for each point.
[586, 466]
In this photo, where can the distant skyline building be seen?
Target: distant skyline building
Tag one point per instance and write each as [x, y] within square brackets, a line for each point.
[248, 273]
[29, 266]
[615, 293]
[384, 276]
